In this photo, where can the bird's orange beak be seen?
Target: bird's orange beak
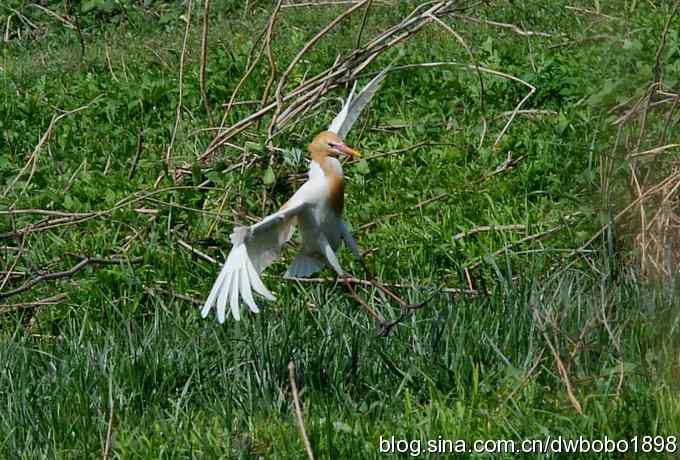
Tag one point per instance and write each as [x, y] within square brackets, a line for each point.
[342, 148]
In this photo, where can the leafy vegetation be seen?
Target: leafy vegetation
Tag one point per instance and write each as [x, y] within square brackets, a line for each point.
[549, 323]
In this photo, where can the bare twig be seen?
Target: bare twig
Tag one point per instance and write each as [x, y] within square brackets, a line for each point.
[450, 30]
[84, 262]
[299, 55]
[53, 300]
[32, 162]
[526, 239]
[204, 59]
[109, 429]
[298, 411]
[659, 50]
[61, 19]
[77, 218]
[180, 84]
[363, 23]
[417, 146]
[192, 249]
[516, 29]
[564, 376]
[173, 293]
[370, 310]
[270, 57]
[353, 280]
[487, 228]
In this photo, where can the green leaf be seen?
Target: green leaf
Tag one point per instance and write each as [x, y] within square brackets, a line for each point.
[253, 146]
[269, 178]
[362, 167]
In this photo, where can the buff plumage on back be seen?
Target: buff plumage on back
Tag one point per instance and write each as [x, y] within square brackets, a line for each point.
[352, 107]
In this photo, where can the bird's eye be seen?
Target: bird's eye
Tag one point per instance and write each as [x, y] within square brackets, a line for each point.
[331, 145]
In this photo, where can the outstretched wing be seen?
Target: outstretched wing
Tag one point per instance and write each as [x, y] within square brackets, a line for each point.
[353, 106]
[254, 248]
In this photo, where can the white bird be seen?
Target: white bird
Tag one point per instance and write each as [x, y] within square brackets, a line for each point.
[316, 206]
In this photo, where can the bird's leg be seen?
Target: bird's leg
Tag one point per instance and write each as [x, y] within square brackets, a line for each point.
[407, 309]
[372, 279]
[333, 262]
[374, 314]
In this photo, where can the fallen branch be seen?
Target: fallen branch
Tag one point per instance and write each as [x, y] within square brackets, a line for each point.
[298, 56]
[84, 262]
[347, 69]
[516, 29]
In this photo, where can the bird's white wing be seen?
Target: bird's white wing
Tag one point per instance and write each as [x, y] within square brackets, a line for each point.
[353, 106]
[254, 248]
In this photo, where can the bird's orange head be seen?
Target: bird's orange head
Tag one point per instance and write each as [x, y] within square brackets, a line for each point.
[329, 144]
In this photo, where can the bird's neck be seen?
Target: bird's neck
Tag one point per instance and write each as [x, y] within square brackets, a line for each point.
[332, 170]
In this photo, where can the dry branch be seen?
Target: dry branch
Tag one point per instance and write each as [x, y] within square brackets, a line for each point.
[84, 262]
[345, 70]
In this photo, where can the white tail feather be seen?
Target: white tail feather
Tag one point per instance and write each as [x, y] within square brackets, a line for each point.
[303, 266]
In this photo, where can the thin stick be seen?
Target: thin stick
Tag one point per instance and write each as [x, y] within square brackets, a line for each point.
[270, 57]
[33, 158]
[192, 249]
[178, 111]
[374, 314]
[109, 430]
[230, 104]
[54, 300]
[61, 19]
[204, 60]
[516, 29]
[526, 239]
[362, 282]
[564, 376]
[299, 55]
[84, 262]
[336, 3]
[450, 30]
[363, 23]
[659, 51]
[487, 228]
[298, 411]
[20, 253]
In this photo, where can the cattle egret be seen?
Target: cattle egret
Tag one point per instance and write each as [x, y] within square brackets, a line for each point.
[316, 207]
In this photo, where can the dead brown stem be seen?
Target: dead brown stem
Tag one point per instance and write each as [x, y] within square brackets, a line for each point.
[298, 411]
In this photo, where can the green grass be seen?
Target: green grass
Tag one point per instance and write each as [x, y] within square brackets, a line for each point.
[465, 367]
